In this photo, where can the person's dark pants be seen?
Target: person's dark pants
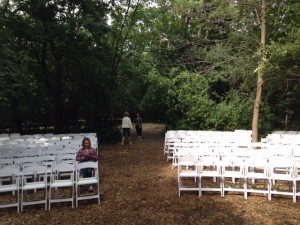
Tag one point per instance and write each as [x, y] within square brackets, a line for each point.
[87, 172]
[138, 130]
[126, 132]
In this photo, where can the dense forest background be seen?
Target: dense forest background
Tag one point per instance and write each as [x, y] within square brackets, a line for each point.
[77, 65]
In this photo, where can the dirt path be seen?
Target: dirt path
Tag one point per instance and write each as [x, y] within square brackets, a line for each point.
[138, 186]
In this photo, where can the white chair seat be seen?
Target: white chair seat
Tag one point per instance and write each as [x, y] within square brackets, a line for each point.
[61, 184]
[34, 185]
[86, 181]
[7, 188]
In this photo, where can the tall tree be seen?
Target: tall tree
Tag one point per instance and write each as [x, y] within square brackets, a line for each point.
[260, 73]
[60, 39]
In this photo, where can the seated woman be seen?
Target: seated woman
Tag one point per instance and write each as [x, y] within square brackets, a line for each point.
[87, 154]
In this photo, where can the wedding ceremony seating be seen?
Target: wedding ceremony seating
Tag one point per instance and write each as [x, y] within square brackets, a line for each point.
[33, 168]
[228, 161]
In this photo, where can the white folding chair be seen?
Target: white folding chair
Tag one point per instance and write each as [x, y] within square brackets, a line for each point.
[210, 167]
[179, 149]
[62, 177]
[188, 175]
[281, 176]
[34, 178]
[257, 171]
[93, 180]
[9, 183]
[233, 169]
[170, 147]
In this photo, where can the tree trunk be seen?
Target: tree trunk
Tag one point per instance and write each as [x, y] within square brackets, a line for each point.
[17, 126]
[59, 108]
[260, 73]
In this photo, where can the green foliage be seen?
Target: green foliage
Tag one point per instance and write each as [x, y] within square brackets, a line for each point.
[189, 63]
[282, 68]
[191, 107]
[153, 102]
[53, 55]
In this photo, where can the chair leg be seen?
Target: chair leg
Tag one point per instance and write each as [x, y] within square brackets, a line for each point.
[269, 190]
[245, 188]
[294, 191]
[200, 187]
[179, 185]
[50, 190]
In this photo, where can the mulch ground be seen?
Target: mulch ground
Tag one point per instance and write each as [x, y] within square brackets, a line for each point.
[138, 186]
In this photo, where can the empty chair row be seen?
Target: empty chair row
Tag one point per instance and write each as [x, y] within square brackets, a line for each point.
[39, 141]
[12, 145]
[275, 175]
[37, 185]
[41, 160]
[21, 152]
[182, 148]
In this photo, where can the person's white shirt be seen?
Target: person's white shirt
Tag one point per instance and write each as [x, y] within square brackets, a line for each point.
[126, 122]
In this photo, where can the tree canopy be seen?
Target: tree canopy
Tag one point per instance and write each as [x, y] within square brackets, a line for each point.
[78, 65]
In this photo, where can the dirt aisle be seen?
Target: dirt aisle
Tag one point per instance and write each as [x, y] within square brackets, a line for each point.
[134, 180]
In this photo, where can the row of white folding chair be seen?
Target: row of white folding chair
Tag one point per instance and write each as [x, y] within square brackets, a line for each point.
[45, 159]
[21, 151]
[227, 148]
[181, 149]
[169, 147]
[285, 132]
[39, 158]
[222, 139]
[221, 143]
[37, 154]
[197, 133]
[278, 138]
[212, 166]
[208, 134]
[47, 141]
[254, 168]
[189, 168]
[278, 149]
[40, 147]
[35, 178]
[173, 133]
[34, 136]
[174, 143]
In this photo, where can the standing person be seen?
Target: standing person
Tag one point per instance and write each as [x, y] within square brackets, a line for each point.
[86, 154]
[126, 127]
[138, 126]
